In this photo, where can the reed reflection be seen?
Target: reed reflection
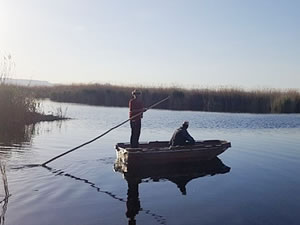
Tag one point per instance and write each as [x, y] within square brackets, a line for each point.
[17, 137]
[180, 174]
[16, 134]
[4, 201]
[3, 210]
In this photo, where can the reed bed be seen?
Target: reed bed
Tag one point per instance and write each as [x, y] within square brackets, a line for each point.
[17, 105]
[215, 100]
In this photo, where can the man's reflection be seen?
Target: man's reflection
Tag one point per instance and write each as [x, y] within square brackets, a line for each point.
[133, 202]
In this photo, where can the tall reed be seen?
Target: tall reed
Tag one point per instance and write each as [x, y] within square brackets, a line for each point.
[16, 103]
[7, 67]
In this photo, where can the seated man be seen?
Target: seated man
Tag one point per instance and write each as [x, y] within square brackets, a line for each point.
[181, 136]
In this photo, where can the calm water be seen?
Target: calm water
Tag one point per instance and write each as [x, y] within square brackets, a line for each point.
[82, 188]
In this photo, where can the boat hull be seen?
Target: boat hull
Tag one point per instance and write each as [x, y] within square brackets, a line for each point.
[160, 153]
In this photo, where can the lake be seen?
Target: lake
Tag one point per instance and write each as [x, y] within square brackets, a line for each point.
[82, 188]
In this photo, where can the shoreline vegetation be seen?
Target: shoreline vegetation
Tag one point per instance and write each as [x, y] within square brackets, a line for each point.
[19, 107]
[231, 100]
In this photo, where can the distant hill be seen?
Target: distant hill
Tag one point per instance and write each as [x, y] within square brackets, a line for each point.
[25, 82]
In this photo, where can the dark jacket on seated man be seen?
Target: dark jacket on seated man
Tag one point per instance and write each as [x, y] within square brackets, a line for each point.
[181, 136]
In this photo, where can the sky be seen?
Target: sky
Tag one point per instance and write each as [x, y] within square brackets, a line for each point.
[186, 43]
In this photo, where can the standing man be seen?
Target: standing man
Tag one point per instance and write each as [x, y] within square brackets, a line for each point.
[135, 107]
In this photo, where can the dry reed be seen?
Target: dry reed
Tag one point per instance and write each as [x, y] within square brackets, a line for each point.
[216, 100]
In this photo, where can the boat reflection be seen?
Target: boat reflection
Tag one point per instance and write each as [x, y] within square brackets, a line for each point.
[179, 173]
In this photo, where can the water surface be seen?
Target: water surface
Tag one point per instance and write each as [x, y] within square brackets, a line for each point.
[82, 188]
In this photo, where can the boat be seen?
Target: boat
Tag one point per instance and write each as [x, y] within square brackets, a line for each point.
[159, 152]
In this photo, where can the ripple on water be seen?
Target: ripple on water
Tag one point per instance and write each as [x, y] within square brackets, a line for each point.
[82, 188]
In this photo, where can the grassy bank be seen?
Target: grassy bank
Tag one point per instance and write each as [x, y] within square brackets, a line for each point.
[215, 100]
[18, 106]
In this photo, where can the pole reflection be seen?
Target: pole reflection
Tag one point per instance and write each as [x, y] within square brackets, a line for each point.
[133, 206]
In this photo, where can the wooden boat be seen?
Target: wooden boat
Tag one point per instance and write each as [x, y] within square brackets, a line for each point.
[159, 152]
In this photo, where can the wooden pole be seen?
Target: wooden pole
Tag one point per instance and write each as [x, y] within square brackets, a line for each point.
[106, 132]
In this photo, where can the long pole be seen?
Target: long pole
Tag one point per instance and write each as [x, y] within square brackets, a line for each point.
[101, 135]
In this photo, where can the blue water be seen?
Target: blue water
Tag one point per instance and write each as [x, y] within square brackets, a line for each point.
[82, 188]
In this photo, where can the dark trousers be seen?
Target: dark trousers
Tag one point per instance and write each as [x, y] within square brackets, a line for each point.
[135, 133]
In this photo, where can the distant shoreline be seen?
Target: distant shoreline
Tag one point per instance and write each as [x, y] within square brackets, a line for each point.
[231, 100]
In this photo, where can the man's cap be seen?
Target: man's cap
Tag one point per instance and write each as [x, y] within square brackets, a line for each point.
[185, 123]
[136, 92]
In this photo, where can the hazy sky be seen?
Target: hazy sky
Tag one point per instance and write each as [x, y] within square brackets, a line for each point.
[241, 43]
